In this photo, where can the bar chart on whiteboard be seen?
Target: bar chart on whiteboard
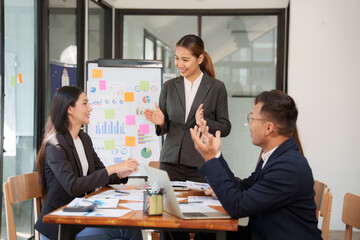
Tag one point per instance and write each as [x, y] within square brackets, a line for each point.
[119, 95]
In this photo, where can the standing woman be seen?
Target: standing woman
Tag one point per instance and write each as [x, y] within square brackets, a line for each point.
[69, 167]
[183, 102]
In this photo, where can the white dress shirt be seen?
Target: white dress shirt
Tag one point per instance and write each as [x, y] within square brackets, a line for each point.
[81, 153]
[190, 92]
[265, 156]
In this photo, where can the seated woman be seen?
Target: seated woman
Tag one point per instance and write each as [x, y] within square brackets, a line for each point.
[69, 167]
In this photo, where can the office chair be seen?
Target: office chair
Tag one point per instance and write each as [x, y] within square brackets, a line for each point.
[319, 188]
[18, 189]
[351, 214]
[325, 213]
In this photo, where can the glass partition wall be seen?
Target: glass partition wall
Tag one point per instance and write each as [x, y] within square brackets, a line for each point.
[19, 81]
[244, 49]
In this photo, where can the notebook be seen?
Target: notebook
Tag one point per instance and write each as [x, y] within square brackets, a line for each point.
[170, 204]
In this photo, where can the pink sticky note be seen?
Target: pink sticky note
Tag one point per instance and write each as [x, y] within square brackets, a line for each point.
[144, 129]
[102, 85]
[130, 120]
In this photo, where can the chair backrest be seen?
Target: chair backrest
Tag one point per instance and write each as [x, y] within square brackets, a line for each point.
[154, 164]
[351, 214]
[319, 188]
[18, 189]
[325, 213]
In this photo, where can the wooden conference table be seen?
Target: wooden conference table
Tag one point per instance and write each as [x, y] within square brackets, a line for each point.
[137, 219]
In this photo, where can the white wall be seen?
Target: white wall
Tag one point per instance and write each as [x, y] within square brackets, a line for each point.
[324, 72]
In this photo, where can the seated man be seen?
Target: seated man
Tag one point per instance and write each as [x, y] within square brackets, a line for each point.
[279, 196]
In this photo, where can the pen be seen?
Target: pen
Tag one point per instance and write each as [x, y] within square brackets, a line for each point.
[118, 191]
[190, 202]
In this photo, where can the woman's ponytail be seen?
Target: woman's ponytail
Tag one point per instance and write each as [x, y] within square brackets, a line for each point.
[207, 65]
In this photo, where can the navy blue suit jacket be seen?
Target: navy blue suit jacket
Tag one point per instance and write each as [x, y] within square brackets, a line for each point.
[279, 199]
[64, 177]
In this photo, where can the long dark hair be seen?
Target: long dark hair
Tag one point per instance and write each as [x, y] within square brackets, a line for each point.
[58, 122]
[196, 46]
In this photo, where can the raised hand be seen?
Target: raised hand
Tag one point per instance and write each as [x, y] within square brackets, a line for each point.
[124, 168]
[155, 116]
[199, 115]
[205, 143]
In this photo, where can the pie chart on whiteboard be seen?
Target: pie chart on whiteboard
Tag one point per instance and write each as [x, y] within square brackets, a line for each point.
[146, 152]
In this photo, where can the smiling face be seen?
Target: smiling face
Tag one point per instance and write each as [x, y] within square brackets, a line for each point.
[258, 126]
[187, 63]
[80, 113]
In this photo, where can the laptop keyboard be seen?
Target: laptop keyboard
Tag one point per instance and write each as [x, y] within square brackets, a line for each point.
[194, 214]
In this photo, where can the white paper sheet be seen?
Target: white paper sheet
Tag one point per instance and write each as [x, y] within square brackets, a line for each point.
[132, 206]
[195, 207]
[197, 185]
[96, 213]
[132, 195]
[207, 200]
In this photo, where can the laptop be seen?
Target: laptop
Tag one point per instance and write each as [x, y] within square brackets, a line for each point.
[170, 204]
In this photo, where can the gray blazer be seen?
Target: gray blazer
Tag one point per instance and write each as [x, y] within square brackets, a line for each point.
[178, 147]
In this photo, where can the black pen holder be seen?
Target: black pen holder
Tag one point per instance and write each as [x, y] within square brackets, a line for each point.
[153, 204]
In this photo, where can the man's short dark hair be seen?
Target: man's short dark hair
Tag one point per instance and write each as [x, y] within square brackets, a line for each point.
[279, 108]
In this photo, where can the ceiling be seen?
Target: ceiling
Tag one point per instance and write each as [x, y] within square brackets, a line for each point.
[184, 4]
[197, 4]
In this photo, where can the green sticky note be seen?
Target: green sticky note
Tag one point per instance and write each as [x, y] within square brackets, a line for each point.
[109, 145]
[12, 81]
[144, 85]
[110, 114]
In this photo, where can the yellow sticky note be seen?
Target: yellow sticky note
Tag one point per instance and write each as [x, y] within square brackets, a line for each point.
[12, 81]
[97, 73]
[130, 141]
[109, 145]
[128, 96]
[144, 85]
[20, 78]
[109, 114]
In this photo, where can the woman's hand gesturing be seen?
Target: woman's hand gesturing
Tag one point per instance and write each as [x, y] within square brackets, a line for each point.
[155, 116]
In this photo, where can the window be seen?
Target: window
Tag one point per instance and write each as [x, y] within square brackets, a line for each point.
[244, 46]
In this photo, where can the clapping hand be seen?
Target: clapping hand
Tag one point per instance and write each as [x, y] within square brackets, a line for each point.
[205, 143]
[155, 116]
[199, 115]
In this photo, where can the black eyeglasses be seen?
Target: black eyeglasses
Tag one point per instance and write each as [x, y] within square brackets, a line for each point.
[250, 118]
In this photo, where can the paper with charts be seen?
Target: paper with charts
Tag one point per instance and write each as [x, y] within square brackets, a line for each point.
[118, 129]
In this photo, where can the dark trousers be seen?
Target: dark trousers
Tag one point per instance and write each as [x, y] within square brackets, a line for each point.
[179, 172]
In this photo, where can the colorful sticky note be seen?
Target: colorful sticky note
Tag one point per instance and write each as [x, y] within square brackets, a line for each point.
[130, 141]
[128, 96]
[130, 120]
[109, 114]
[144, 129]
[20, 78]
[12, 81]
[102, 85]
[109, 145]
[97, 73]
[144, 85]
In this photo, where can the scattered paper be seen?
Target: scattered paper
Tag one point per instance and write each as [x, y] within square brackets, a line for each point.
[133, 206]
[207, 200]
[197, 185]
[195, 207]
[96, 213]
